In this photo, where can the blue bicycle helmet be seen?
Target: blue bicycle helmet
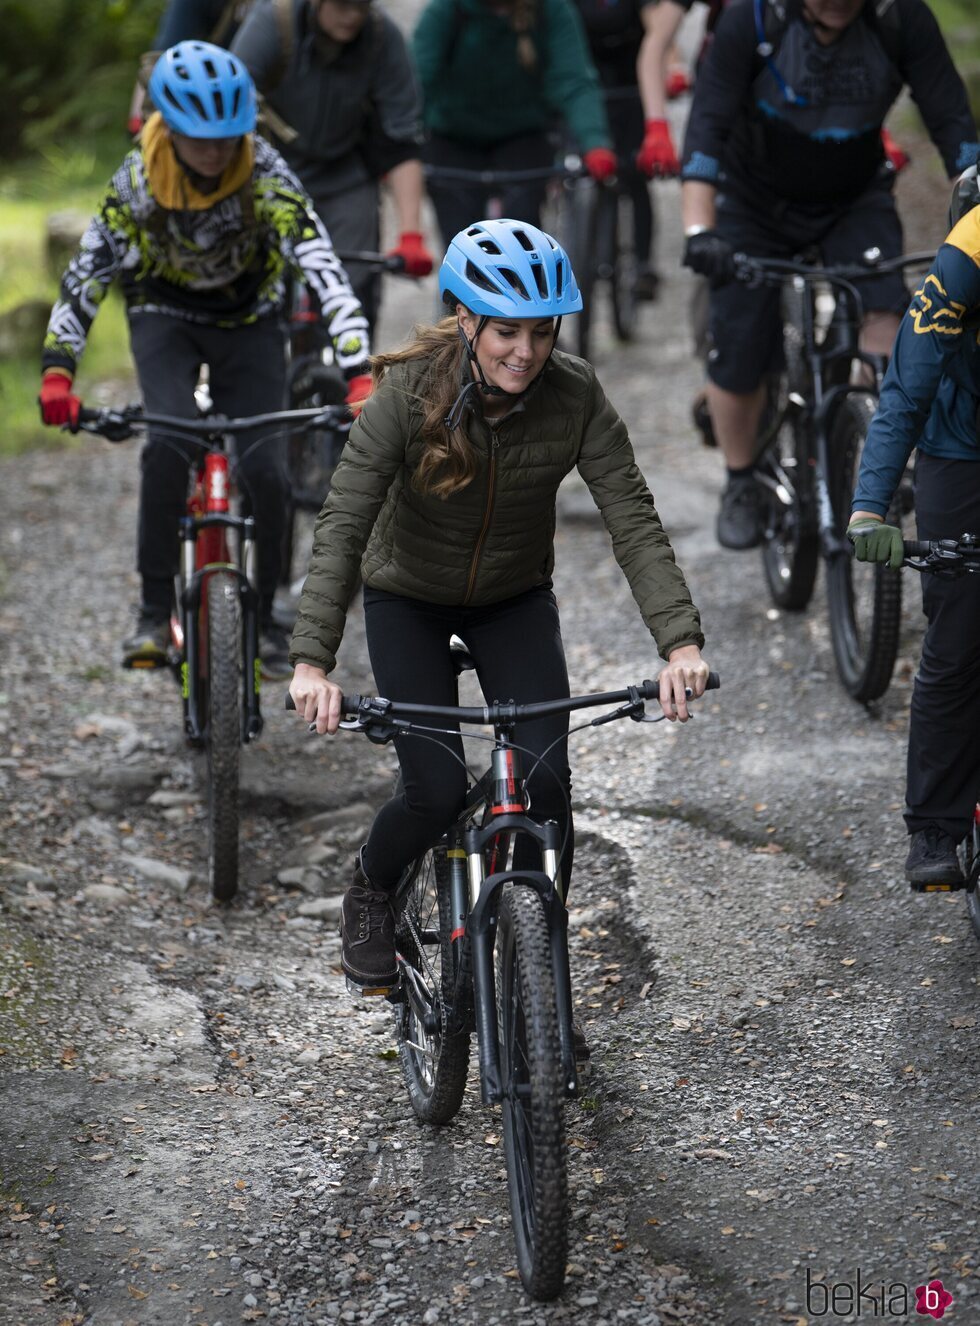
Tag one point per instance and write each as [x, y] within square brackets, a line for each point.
[966, 196]
[203, 91]
[509, 269]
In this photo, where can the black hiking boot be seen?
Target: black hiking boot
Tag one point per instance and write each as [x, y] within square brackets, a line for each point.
[739, 522]
[932, 865]
[274, 652]
[367, 933]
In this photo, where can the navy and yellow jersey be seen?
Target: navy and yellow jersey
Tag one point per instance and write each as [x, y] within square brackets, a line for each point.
[931, 391]
[220, 262]
[804, 125]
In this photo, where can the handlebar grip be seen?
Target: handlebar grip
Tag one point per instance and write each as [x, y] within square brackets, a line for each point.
[651, 689]
[86, 415]
[916, 547]
[349, 704]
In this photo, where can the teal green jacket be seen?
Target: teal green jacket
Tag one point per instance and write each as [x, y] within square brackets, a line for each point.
[475, 89]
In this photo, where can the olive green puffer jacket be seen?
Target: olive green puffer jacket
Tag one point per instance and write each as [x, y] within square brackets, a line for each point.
[495, 537]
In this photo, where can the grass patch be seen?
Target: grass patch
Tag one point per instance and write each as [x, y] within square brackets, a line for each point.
[58, 180]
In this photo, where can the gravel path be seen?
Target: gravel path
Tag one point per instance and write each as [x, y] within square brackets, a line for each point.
[197, 1126]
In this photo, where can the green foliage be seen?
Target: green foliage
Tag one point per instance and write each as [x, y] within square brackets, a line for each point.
[960, 23]
[69, 66]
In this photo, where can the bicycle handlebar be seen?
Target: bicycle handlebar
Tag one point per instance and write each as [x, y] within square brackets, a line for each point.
[943, 557]
[459, 175]
[367, 708]
[748, 268]
[119, 424]
[381, 262]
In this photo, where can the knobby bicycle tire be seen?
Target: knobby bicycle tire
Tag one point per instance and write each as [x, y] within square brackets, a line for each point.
[311, 454]
[622, 286]
[865, 601]
[533, 1104]
[224, 731]
[434, 1060]
[583, 205]
[969, 850]
[790, 546]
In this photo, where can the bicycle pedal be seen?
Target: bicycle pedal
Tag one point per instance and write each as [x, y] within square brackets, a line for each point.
[938, 888]
[149, 664]
[370, 991]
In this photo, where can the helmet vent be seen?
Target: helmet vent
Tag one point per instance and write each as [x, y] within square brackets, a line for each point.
[514, 281]
[198, 105]
[559, 278]
[524, 239]
[474, 274]
[488, 246]
[209, 69]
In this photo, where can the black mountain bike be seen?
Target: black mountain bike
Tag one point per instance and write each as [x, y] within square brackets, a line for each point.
[214, 624]
[952, 558]
[484, 948]
[312, 383]
[810, 443]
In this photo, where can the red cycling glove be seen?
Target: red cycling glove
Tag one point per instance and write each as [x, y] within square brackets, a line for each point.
[601, 163]
[658, 156]
[358, 390]
[896, 157]
[678, 82]
[412, 251]
[58, 405]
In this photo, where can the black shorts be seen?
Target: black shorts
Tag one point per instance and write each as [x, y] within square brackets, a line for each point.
[745, 328]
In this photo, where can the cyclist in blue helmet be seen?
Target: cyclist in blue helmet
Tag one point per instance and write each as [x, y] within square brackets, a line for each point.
[444, 501]
[200, 223]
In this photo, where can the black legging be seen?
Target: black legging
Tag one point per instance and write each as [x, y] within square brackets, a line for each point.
[459, 203]
[943, 759]
[247, 369]
[517, 647]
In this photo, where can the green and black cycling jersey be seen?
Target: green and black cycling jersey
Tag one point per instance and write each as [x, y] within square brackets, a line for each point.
[219, 260]
[803, 123]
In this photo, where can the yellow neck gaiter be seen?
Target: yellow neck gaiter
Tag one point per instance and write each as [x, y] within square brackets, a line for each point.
[169, 182]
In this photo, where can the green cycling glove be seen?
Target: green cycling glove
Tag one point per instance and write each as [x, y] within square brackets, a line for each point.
[876, 542]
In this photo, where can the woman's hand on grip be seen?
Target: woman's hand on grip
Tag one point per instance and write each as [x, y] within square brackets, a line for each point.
[317, 699]
[686, 671]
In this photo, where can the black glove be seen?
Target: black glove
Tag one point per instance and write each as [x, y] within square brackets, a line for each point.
[711, 255]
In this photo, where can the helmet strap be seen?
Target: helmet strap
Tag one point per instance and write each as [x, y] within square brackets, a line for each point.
[455, 416]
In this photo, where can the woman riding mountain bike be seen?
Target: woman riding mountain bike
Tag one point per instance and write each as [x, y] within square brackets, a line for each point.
[929, 402]
[445, 502]
[200, 223]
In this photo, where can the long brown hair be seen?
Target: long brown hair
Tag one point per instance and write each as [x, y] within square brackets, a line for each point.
[448, 462]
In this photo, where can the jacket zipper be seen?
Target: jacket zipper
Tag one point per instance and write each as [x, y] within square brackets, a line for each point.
[487, 515]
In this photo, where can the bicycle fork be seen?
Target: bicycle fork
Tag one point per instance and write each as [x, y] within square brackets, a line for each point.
[481, 901]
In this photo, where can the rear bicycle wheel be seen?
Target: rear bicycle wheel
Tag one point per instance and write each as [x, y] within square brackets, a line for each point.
[433, 1051]
[790, 547]
[223, 731]
[533, 1104]
[865, 601]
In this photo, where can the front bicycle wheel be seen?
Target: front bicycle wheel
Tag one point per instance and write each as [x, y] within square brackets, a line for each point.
[623, 283]
[865, 601]
[223, 731]
[533, 1104]
[311, 454]
[790, 546]
[582, 202]
[969, 853]
[432, 1048]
